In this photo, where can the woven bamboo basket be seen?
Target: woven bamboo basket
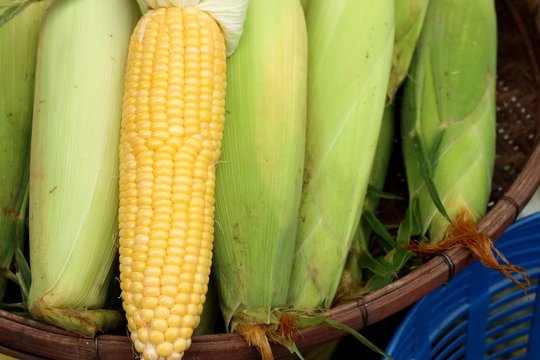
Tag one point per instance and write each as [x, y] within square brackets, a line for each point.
[516, 178]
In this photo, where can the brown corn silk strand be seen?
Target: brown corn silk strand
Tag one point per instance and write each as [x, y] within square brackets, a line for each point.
[259, 335]
[256, 335]
[463, 232]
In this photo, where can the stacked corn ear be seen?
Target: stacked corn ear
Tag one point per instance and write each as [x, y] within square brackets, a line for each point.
[359, 258]
[350, 52]
[259, 178]
[18, 46]
[354, 277]
[74, 162]
[170, 141]
[409, 15]
[409, 20]
[448, 129]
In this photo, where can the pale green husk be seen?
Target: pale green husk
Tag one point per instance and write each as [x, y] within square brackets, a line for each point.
[259, 177]
[350, 51]
[18, 46]
[409, 15]
[360, 244]
[449, 115]
[409, 18]
[74, 161]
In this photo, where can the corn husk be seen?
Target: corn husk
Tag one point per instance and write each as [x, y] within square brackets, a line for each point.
[74, 161]
[349, 65]
[449, 112]
[448, 129]
[259, 177]
[409, 18]
[410, 15]
[359, 259]
[18, 46]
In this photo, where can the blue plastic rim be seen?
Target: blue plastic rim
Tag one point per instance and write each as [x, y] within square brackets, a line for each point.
[479, 314]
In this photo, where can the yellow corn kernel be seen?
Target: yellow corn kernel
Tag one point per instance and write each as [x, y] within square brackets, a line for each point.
[171, 132]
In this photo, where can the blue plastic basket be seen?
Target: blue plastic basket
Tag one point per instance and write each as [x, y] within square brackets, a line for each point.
[479, 314]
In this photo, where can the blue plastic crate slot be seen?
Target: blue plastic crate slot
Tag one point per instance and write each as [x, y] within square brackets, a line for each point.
[479, 314]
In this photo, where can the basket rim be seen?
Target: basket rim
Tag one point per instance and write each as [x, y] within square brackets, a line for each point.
[33, 339]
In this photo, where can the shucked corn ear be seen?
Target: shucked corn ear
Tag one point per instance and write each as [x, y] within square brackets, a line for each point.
[74, 162]
[170, 142]
[260, 176]
[18, 46]
[350, 50]
[449, 128]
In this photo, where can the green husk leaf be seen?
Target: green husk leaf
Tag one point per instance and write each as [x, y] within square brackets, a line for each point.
[294, 350]
[338, 116]
[11, 3]
[395, 261]
[82, 322]
[24, 274]
[11, 12]
[385, 239]
[378, 193]
[378, 266]
[11, 8]
[426, 165]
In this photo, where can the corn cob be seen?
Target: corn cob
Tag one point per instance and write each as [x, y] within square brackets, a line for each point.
[260, 178]
[74, 164]
[18, 46]
[409, 17]
[349, 65]
[170, 141]
[448, 128]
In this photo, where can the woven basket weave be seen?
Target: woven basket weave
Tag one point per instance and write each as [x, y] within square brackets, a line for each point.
[517, 176]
